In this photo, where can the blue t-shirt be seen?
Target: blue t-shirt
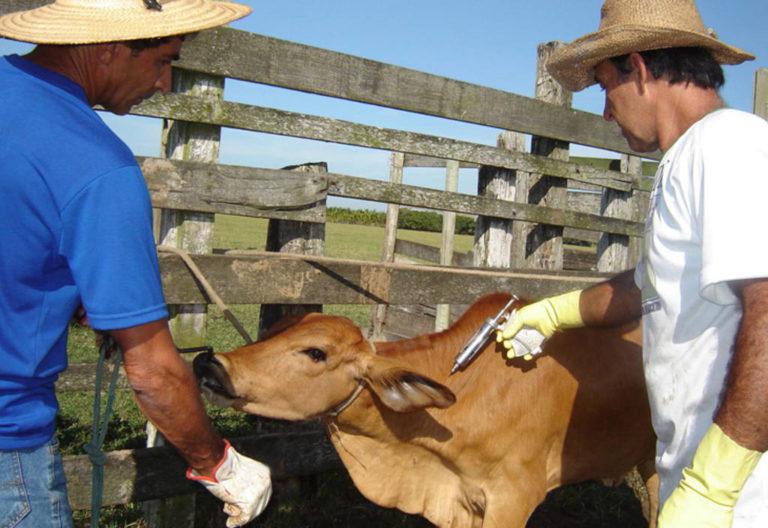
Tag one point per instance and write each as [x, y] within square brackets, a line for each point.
[76, 229]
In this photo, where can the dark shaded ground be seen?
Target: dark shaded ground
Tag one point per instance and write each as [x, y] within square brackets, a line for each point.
[332, 501]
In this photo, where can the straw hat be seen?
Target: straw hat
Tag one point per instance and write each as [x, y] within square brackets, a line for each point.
[628, 26]
[90, 21]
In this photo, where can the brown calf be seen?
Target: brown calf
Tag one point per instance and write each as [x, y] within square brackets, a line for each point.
[479, 448]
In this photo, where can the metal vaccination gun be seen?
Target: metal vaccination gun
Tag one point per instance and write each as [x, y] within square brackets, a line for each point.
[527, 342]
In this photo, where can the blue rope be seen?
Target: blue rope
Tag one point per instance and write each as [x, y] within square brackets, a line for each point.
[109, 349]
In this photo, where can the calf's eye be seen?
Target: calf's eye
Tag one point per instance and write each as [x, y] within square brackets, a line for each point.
[315, 354]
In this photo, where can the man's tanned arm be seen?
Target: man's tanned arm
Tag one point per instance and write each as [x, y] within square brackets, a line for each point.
[743, 415]
[613, 302]
[166, 392]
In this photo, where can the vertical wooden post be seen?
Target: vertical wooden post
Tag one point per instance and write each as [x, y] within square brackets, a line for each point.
[443, 313]
[544, 242]
[289, 236]
[192, 232]
[620, 252]
[761, 93]
[379, 312]
[494, 238]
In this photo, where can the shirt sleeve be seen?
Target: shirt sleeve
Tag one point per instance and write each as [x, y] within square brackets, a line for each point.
[732, 207]
[108, 242]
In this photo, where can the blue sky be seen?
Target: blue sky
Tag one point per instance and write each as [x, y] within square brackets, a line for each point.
[487, 42]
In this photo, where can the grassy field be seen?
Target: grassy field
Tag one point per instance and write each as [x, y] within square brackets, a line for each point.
[328, 500]
[342, 240]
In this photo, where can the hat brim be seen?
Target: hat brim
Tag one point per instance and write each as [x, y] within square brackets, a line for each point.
[69, 24]
[573, 64]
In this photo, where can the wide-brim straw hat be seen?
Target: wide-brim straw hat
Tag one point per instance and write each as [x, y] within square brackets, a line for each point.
[628, 26]
[92, 21]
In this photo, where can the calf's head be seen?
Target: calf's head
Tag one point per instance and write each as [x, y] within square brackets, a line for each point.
[310, 368]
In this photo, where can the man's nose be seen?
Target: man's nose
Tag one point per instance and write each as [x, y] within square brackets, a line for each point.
[163, 83]
[607, 115]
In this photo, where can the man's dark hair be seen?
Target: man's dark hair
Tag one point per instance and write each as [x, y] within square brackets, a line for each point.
[137, 46]
[678, 65]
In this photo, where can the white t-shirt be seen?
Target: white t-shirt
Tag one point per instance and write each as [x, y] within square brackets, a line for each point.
[706, 226]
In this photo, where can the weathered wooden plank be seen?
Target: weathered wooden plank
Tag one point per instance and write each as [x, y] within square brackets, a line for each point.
[276, 62]
[573, 259]
[285, 236]
[352, 187]
[613, 251]
[190, 231]
[11, 6]
[427, 253]
[579, 259]
[241, 55]
[379, 311]
[494, 242]
[761, 93]
[277, 278]
[248, 117]
[417, 160]
[228, 189]
[544, 242]
[144, 474]
[442, 318]
[413, 320]
[408, 321]
[293, 189]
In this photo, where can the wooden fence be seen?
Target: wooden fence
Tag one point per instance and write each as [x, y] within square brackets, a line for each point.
[521, 206]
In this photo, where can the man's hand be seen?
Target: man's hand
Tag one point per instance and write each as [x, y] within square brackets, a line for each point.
[546, 317]
[242, 483]
[710, 487]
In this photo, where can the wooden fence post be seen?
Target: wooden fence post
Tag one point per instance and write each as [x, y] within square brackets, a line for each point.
[761, 93]
[544, 242]
[288, 236]
[443, 311]
[620, 252]
[379, 315]
[192, 232]
[495, 242]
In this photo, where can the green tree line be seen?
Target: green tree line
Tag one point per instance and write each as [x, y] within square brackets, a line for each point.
[407, 219]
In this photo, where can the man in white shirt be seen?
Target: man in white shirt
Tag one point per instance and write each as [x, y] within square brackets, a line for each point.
[701, 285]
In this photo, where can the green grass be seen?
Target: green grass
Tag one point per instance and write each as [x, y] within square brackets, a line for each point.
[357, 242]
[322, 501]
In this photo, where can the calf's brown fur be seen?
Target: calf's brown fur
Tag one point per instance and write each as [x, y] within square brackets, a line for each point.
[479, 448]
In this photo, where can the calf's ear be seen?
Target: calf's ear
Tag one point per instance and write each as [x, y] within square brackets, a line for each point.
[404, 390]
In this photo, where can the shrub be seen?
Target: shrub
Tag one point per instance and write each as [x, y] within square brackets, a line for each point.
[407, 219]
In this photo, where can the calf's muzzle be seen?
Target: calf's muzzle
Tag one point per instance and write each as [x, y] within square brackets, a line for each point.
[212, 375]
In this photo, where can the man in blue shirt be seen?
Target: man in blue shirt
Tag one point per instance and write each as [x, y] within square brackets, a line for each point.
[78, 231]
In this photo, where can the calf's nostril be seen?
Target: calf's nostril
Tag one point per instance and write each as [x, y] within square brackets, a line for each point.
[211, 374]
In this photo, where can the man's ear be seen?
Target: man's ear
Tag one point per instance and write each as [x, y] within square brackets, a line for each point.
[106, 52]
[404, 390]
[642, 74]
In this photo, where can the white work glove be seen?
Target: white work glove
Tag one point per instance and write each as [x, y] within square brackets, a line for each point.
[243, 484]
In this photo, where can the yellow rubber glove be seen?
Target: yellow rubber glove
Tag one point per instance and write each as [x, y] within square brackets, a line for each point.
[546, 316]
[710, 487]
